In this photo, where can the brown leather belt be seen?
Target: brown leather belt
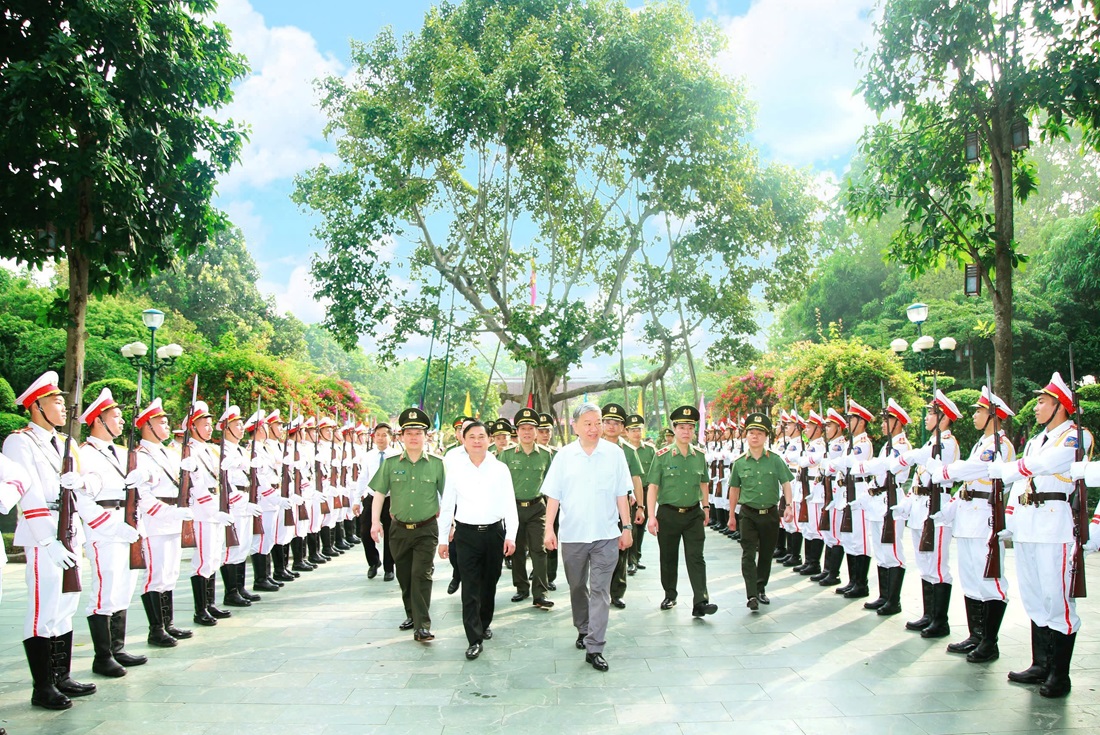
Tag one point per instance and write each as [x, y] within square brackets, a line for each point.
[977, 495]
[529, 503]
[1036, 498]
[110, 503]
[924, 491]
[414, 526]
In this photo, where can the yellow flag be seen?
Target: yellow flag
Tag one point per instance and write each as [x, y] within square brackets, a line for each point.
[467, 410]
[641, 410]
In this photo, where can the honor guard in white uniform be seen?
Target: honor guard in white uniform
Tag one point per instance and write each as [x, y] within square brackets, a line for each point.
[934, 566]
[857, 547]
[14, 482]
[265, 467]
[1039, 519]
[372, 461]
[889, 555]
[235, 464]
[810, 460]
[791, 449]
[829, 524]
[282, 530]
[314, 490]
[48, 627]
[970, 516]
[107, 537]
[162, 521]
[324, 462]
[210, 521]
[297, 459]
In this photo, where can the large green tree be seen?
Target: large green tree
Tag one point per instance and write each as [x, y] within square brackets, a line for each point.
[110, 148]
[939, 71]
[593, 143]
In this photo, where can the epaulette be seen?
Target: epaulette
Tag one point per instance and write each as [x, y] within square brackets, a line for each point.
[700, 447]
[24, 430]
[432, 454]
[651, 445]
[664, 450]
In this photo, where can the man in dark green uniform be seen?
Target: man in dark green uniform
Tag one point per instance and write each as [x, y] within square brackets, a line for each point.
[543, 437]
[413, 480]
[614, 419]
[679, 508]
[501, 435]
[756, 480]
[669, 436]
[635, 436]
[528, 463]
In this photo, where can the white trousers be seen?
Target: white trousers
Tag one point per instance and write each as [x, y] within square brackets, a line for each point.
[887, 555]
[237, 554]
[162, 562]
[49, 610]
[1044, 572]
[934, 566]
[209, 548]
[973, 553]
[113, 581]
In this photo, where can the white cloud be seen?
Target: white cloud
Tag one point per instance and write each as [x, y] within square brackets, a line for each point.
[799, 60]
[277, 99]
[296, 295]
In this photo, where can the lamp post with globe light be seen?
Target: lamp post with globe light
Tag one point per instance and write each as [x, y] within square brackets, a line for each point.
[158, 359]
[918, 314]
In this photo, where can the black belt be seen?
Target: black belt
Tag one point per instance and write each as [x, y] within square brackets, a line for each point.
[480, 529]
[682, 509]
[1036, 498]
[759, 511]
[528, 503]
[924, 491]
[110, 503]
[977, 495]
[414, 526]
[169, 501]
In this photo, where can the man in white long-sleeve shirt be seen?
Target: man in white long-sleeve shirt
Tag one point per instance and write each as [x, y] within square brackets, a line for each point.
[479, 499]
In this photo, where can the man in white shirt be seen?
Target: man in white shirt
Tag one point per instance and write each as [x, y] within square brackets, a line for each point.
[372, 460]
[589, 480]
[479, 499]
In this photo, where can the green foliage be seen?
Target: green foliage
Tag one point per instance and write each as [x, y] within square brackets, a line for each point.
[460, 379]
[963, 429]
[7, 398]
[742, 394]
[9, 422]
[123, 391]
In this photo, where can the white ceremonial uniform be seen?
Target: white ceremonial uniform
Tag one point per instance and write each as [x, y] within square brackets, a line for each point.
[837, 447]
[811, 459]
[49, 610]
[874, 505]
[236, 468]
[270, 502]
[856, 542]
[1042, 529]
[792, 448]
[112, 580]
[934, 566]
[161, 518]
[14, 482]
[209, 534]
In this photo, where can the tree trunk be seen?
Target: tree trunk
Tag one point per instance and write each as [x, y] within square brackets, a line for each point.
[1004, 232]
[76, 333]
[543, 381]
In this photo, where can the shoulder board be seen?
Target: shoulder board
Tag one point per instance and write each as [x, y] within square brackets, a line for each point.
[698, 447]
[24, 430]
[434, 455]
[651, 445]
[662, 452]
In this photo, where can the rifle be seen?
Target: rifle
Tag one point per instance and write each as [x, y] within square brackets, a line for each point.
[928, 531]
[254, 475]
[137, 558]
[996, 498]
[332, 474]
[284, 486]
[303, 513]
[849, 479]
[1079, 506]
[804, 480]
[66, 526]
[187, 529]
[224, 486]
[355, 465]
[824, 523]
[318, 476]
[889, 532]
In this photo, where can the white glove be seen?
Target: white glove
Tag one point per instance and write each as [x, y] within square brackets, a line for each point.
[126, 533]
[72, 481]
[1077, 470]
[804, 460]
[285, 503]
[189, 464]
[222, 519]
[182, 514]
[61, 557]
[296, 499]
[337, 463]
[1094, 541]
[258, 462]
[996, 470]
[231, 463]
[902, 510]
[935, 468]
[253, 509]
[842, 462]
[139, 477]
[1004, 535]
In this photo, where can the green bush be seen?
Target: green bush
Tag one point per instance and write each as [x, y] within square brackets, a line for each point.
[7, 398]
[963, 429]
[9, 422]
[123, 391]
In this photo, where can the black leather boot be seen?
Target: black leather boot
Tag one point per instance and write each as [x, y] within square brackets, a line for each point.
[269, 567]
[168, 614]
[1058, 683]
[780, 552]
[240, 574]
[814, 547]
[313, 543]
[260, 582]
[118, 641]
[104, 663]
[883, 590]
[232, 594]
[62, 647]
[279, 563]
[850, 565]
[1037, 673]
[40, 661]
[830, 575]
[941, 597]
[338, 537]
[895, 576]
[202, 612]
[973, 625]
[349, 532]
[926, 619]
[211, 595]
[157, 635]
[861, 565]
[326, 543]
[794, 550]
[297, 548]
[993, 612]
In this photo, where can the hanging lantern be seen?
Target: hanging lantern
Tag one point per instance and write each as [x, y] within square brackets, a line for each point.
[972, 280]
[1021, 140]
[972, 147]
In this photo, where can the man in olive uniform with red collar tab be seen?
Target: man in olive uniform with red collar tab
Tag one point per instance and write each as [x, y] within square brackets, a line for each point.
[757, 480]
[528, 463]
[614, 420]
[634, 435]
[544, 436]
[679, 508]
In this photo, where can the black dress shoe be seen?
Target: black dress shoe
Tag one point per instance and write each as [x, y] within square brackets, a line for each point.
[387, 577]
[488, 634]
[551, 586]
[668, 603]
[373, 571]
[580, 641]
[596, 660]
[763, 598]
[453, 586]
[703, 608]
[631, 569]
[423, 635]
[640, 565]
[618, 602]
[407, 625]
[520, 596]
[543, 603]
[473, 651]
[753, 604]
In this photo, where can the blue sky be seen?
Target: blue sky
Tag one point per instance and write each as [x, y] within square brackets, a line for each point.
[797, 56]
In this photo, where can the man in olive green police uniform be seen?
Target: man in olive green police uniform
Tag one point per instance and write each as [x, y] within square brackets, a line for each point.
[528, 463]
[756, 481]
[413, 480]
[501, 435]
[544, 436]
[614, 420]
[635, 436]
[669, 436]
[679, 508]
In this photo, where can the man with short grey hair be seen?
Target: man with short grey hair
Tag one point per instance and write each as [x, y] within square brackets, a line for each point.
[589, 481]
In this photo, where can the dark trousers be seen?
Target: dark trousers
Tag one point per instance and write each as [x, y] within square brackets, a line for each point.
[672, 528]
[552, 559]
[532, 526]
[413, 556]
[369, 547]
[481, 554]
[759, 532]
[635, 552]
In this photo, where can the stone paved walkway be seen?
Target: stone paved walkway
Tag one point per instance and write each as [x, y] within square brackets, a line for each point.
[325, 656]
